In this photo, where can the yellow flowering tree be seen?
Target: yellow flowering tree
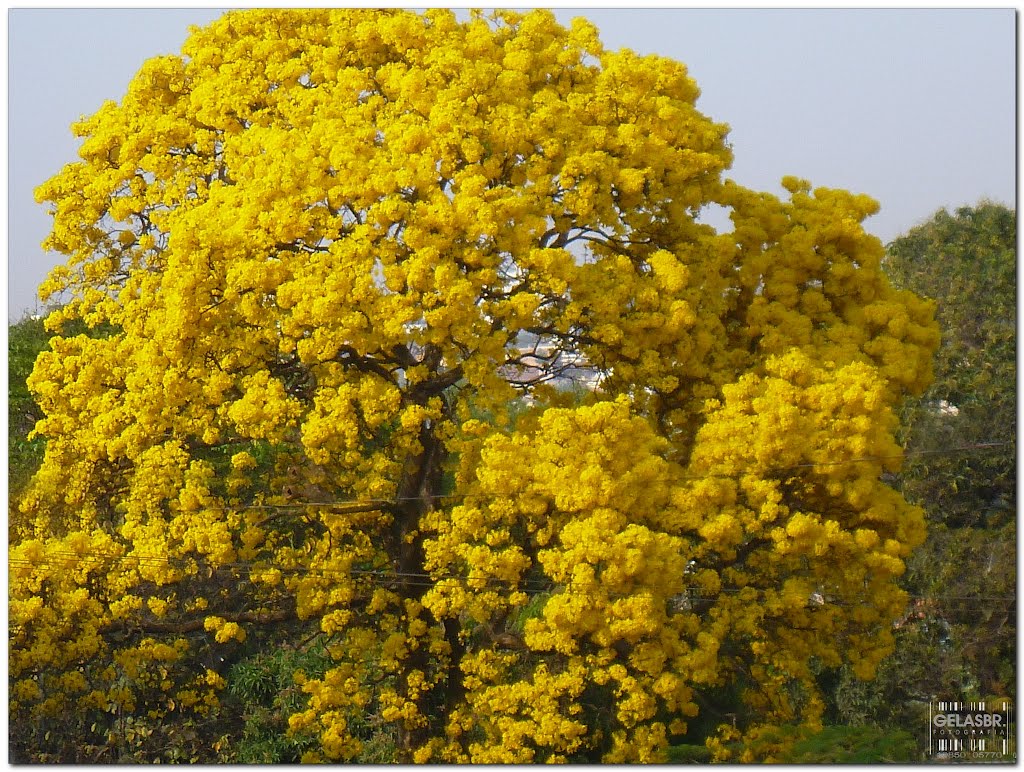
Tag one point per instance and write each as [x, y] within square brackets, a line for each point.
[324, 254]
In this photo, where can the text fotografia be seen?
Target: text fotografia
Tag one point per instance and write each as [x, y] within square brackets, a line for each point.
[969, 730]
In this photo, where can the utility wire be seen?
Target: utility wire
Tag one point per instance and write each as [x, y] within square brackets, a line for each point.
[299, 505]
[54, 559]
[381, 577]
[368, 502]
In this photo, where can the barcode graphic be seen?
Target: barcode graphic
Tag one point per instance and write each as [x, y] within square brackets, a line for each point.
[962, 706]
[963, 729]
[972, 744]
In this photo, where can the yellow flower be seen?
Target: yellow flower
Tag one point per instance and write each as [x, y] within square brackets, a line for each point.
[404, 325]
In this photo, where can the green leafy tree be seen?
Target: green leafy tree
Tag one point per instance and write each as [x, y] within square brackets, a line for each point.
[967, 263]
[25, 340]
[854, 745]
[958, 638]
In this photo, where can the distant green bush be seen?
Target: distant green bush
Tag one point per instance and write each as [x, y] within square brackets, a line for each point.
[264, 690]
[25, 340]
[688, 754]
[856, 745]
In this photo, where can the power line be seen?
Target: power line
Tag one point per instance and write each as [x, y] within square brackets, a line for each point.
[299, 505]
[912, 453]
[383, 502]
[409, 579]
[425, 579]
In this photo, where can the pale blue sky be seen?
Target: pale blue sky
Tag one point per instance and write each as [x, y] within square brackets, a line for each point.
[915, 107]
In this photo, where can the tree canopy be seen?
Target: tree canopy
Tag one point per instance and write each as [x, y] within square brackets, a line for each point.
[338, 268]
[959, 639]
[24, 342]
[967, 262]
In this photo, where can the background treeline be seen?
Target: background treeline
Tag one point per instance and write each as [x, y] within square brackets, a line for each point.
[956, 641]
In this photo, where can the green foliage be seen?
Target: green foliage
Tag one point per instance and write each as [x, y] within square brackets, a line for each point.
[263, 693]
[855, 745]
[532, 610]
[688, 754]
[25, 341]
[116, 737]
[965, 574]
[969, 576]
[958, 638]
[967, 263]
[835, 744]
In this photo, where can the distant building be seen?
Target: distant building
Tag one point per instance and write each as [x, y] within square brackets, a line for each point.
[545, 362]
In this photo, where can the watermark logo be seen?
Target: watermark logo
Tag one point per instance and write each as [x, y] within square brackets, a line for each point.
[970, 730]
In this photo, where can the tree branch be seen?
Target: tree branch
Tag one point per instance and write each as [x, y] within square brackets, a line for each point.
[193, 625]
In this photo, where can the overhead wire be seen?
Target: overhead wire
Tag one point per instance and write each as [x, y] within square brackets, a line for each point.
[384, 502]
[381, 577]
[298, 505]
[414, 579]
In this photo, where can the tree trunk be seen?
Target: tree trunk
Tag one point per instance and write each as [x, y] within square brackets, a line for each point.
[419, 492]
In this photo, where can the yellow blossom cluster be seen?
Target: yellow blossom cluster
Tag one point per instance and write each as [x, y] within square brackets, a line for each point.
[335, 269]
